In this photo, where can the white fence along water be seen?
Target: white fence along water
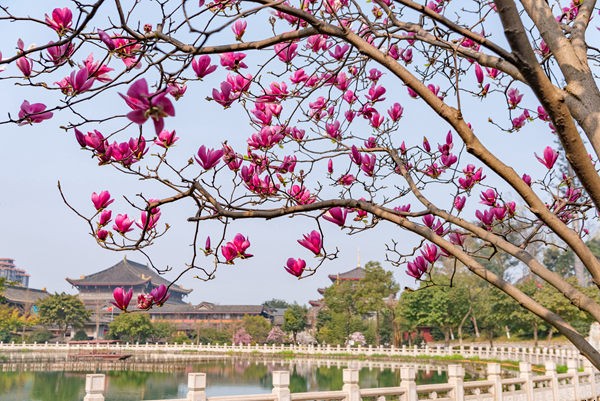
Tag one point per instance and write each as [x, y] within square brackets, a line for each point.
[539, 355]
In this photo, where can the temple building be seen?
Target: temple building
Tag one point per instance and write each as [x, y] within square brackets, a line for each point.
[12, 274]
[96, 292]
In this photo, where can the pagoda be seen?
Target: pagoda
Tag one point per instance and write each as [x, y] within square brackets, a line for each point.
[97, 288]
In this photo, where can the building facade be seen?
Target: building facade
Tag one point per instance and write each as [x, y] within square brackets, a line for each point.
[12, 274]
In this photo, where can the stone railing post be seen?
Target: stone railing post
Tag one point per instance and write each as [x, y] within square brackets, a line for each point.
[350, 386]
[551, 371]
[572, 369]
[94, 387]
[526, 373]
[281, 385]
[494, 374]
[196, 387]
[591, 371]
[408, 384]
[456, 378]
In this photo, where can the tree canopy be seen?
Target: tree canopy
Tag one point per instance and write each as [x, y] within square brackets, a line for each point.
[63, 310]
[334, 97]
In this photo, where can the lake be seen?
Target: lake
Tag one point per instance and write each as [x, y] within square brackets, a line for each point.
[225, 376]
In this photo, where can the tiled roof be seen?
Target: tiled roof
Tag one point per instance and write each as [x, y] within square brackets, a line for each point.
[207, 308]
[357, 273]
[126, 273]
[23, 295]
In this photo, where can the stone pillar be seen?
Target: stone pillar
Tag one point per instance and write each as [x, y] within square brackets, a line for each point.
[456, 378]
[494, 374]
[408, 384]
[591, 371]
[196, 387]
[350, 386]
[551, 371]
[281, 385]
[525, 373]
[572, 369]
[94, 387]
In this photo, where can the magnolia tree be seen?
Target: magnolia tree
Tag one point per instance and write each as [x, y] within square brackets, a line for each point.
[320, 87]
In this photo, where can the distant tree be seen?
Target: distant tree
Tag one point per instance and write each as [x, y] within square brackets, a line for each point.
[257, 327]
[242, 337]
[161, 331]
[131, 327]
[276, 303]
[277, 336]
[40, 336]
[294, 320]
[373, 293]
[63, 310]
[11, 322]
[80, 335]
[212, 335]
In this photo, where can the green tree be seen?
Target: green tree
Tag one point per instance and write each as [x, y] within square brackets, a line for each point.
[63, 310]
[161, 331]
[11, 322]
[276, 303]
[258, 327]
[294, 320]
[374, 292]
[131, 327]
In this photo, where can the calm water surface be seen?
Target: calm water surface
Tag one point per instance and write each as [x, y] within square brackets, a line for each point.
[224, 377]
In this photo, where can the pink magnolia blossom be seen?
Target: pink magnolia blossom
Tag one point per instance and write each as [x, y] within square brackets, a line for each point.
[105, 217]
[346, 179]
[330, 166]
[60, 54]
[301, 195]
[160, 295]
[368, 164]
[395, 112]
[488, 197]
[239, 28]
[407, 56]
[286, 51]
[233, 61]
[147, 220]
[207, 247]
[102, 235]
[459, 202]
[430, 252]
[457, 238]
[122, 298]
[148, 105]
[236, 248]
[61, 20]
[486, 217]
[479, 74]
[202, 67]
[176, 90]
[145, 301]
[549, 157]
[527, 179]
[402, 208]
[208, 158]
[417, 267]
[33, 113]
[339, 52]
[295, 266]
[101, 200]
[96, 69]
[122, 224]
[333, 130]
[412, 93]
[336, 215]
[166, 139]
[514, 97]
[376, 93]
[76, 83]
[312, 241]
[25, 65]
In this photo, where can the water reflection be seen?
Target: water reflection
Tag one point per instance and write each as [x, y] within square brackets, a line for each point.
[231, 375]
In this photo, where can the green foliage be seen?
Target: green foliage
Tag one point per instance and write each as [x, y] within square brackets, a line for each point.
[131, 327]
[276, 303]
[257, 327]
[180, 338]
[39, 336]
[11, 322]
[213, 335]
[161, 331]
[294, 320]
[80, 335]
[64, 311]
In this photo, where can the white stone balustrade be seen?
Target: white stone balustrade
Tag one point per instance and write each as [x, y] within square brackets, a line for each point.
[571, 386]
